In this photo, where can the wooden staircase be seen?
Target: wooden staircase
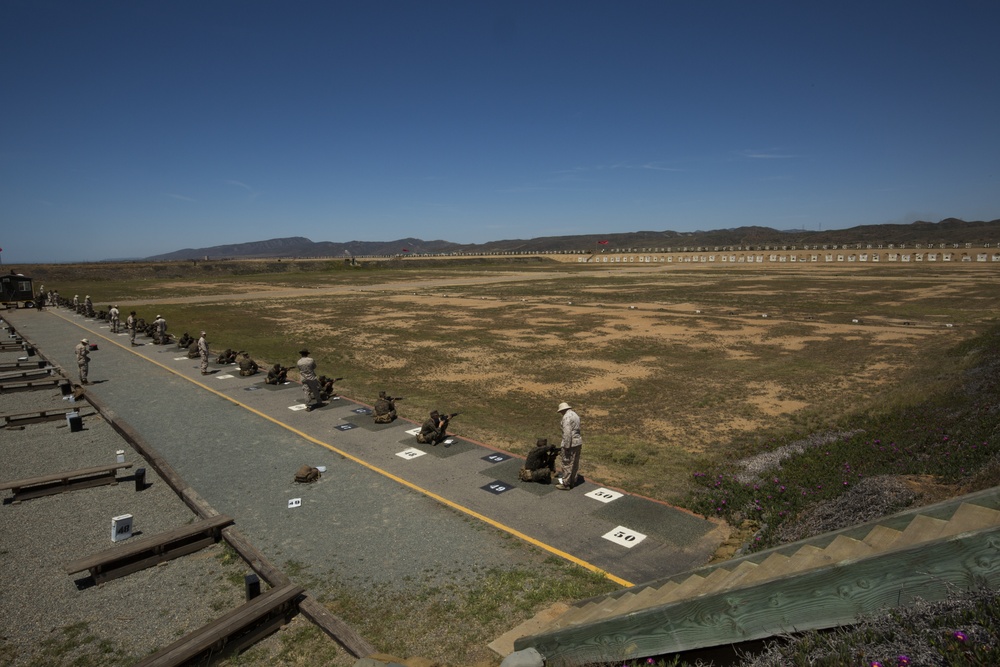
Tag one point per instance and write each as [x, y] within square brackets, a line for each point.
[819, 582]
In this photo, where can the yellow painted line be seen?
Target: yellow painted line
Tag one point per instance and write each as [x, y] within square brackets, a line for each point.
[385, 473]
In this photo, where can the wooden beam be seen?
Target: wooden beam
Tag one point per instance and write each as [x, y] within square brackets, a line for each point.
[47, 485]
[231, 633]
[146, 552]
[335, 628]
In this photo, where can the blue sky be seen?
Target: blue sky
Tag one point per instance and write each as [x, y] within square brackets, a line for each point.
[129, 129]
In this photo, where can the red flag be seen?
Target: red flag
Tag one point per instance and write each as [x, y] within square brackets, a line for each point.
[602, 243]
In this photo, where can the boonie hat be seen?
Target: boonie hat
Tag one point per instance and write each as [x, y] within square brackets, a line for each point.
[563, 406]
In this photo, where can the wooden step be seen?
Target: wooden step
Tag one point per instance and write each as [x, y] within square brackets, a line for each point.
[646, 598]
[807, 558]
[773, 566]
[597, 612]
[540, 622]
[970, 517]
[737, 576]
[881, 538]
[716, 580]
[922, 529]
[847, 548]
[687, 588]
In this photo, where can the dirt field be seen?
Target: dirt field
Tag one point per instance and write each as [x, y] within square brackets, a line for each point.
[668, 367]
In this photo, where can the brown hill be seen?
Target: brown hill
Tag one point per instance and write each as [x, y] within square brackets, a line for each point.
[950, 230]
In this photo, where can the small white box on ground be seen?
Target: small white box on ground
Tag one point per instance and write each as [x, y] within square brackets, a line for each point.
[121, 527]
[120, 456]
[70, 415]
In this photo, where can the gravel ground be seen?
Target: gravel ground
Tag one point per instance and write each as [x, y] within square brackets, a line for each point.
[41, 604]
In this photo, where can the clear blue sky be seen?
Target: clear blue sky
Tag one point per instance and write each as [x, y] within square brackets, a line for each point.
[134, 128]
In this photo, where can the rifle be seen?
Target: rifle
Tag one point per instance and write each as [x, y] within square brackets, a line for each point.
[453, 415]
[398, 398]
[336, 379]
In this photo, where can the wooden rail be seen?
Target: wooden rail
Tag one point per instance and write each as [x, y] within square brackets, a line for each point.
[16, 376]
[47, 485]
[29, 385]
[134, 556]
[23, 365]
[39, 416]
[231, 633]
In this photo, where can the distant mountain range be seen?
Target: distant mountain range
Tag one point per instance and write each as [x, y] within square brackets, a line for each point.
[950, 230]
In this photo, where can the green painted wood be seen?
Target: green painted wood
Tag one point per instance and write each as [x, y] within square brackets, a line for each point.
[823, 598]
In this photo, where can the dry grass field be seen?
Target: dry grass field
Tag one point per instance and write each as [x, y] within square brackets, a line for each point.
[671, 368]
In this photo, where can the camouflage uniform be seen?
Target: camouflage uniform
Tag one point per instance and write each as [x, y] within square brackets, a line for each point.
[310, 384]
[540, 464]
[277, 375]
[130, 325]
[83, 359]
[203, 353]
[572, 443]
[434, 430]
[385, 410]
[113, 315]
[160, 325]
[247, 365]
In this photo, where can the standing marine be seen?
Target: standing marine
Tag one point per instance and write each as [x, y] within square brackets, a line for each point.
[203, 353]
[310, 383]
[83, 359]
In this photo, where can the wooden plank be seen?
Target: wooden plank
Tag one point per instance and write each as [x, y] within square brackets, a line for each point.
[772, 566]
[822, 598]
[844, 548]
[335, 628]
[971, 517]
[254, 557]
[504, 644]
[52, 414]
[60, 476]
[921, 529]
[10, 387]
[140, 554]
[230, 633]
[881, 538]
[47, 485]
[20, 376]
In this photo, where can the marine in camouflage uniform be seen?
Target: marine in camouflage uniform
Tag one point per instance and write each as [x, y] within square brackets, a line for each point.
[203, 353]
[310, 384]
[572, 443]
[160, 330]
[114, 318]
[83, 359]
[130, 323]
[277, 375]
[434, 430]
[247, 365]
[385, 409]
[540, 464]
